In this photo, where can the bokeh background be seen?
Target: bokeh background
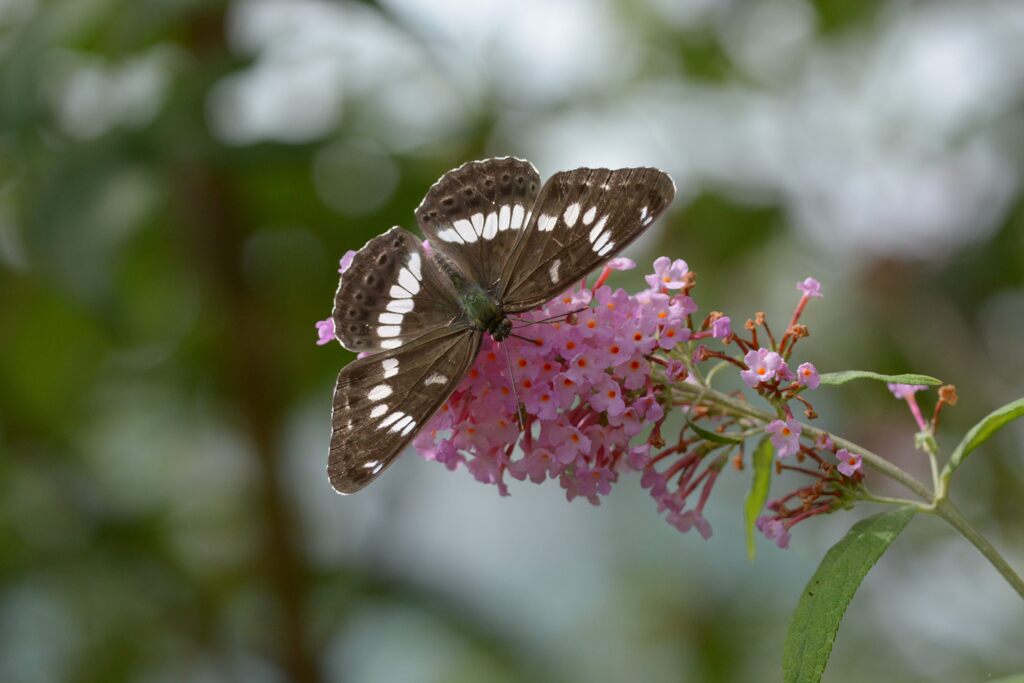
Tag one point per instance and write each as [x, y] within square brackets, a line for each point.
[178, 179]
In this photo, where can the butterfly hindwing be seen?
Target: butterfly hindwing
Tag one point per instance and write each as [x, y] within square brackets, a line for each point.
[390, 294]
[381, 402]
[475, 213]
[581, 219]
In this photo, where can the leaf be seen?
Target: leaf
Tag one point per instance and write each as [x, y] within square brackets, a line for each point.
[850, 375]
[759, 484]
[823, 603]
[713, 436]
[982, 432]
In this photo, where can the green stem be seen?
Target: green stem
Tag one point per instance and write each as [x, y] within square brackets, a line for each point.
[877, 462]
[933, 501]
[949, 513]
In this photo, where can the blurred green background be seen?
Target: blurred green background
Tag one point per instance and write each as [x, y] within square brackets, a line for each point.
[178, 179]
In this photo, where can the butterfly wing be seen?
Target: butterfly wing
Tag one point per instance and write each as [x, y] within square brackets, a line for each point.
[582, 219]
[391, 294]
[475, 213]
[382, 401]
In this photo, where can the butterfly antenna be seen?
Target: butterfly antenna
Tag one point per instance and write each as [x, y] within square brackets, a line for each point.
[553, 319]
[512, 381]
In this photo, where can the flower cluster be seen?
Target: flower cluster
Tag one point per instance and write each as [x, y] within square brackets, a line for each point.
[581, 392]
[583, 370]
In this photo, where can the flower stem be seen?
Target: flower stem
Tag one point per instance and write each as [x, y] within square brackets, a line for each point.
[933, 502]
[949, 513]
[877, 462]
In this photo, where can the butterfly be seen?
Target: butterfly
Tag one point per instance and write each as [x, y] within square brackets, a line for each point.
[498, 243]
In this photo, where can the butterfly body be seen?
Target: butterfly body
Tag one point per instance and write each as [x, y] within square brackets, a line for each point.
[485, 313]
[499, 243]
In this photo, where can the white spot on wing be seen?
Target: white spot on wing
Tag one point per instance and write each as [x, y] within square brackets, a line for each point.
[478, 223]
[602, 240]
[381, 391]
[406, 279]
[596, 231]
[588, 217]
[571, 214]
[378, 410]
[408, 428]
[546, 223]
[436, 378]
[517, 217]
[402, 424]
[389, 366]
[465, 230]
[400, 305]
[389, 330]
[397, 415]
[606, 248]
[450, 235]
[553, 270]
[391, 343]
[490, 226]
[414, 265]
[397, 292]
[504, 218]
[391, 318]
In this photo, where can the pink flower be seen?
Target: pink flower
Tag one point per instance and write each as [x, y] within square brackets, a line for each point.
[762, 366]
[774, 530]
[621, 263]
[904, 391]
[721, 328]
[785, 437]
[807, 375]
[668, 274]
[824, 443]
[810, 287]
[607, 397]
[346, 261]
[684, 521]
[848, 462]
[325, 328]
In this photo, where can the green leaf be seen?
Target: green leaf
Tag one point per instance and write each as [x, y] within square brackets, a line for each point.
[982, 432]
[850, 375]
[764, 455]
[713, 436]
[823, 603]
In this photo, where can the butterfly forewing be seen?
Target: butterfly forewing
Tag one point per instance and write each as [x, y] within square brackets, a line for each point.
[475, 213]
[581, 219]
[391, 294]
[382, 401]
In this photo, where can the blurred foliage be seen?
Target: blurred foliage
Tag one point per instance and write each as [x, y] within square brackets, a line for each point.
[161, 397]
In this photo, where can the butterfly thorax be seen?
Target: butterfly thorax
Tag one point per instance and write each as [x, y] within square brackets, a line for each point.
[479, 306]
[485, 313]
